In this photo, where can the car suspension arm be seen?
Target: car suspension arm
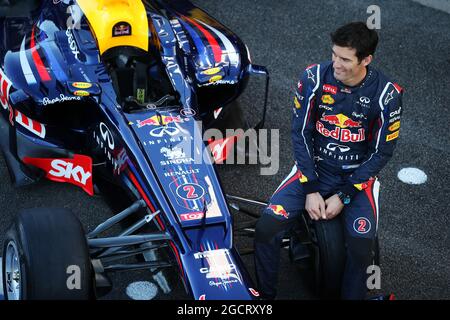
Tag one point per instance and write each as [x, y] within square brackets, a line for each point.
[127, 240]
[117, 218]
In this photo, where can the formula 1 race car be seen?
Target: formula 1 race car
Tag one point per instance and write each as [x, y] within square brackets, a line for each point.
[113, 96]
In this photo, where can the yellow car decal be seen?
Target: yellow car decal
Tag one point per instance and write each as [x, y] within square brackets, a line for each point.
[117, 23]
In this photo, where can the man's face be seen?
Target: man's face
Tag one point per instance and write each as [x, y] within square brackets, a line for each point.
[346, 66]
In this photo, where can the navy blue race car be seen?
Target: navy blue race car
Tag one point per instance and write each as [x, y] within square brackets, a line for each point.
[113, 96]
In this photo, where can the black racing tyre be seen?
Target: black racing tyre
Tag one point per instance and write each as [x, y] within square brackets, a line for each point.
[329, 257]
[45, 256]
[376, 252]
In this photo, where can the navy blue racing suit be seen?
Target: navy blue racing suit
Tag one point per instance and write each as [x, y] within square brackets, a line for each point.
[342, 137]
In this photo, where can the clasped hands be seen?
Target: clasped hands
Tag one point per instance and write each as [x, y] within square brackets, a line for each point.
[318, 208]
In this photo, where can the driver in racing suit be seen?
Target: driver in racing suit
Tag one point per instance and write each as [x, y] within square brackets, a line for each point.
[345, 127]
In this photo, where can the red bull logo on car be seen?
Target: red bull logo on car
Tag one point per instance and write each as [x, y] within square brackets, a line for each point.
[154, 121]
[340, 132]
[279, 210]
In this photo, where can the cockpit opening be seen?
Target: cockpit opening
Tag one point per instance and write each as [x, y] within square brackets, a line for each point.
[140, 80]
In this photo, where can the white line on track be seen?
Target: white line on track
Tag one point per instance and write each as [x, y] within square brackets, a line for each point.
[412, 176]
[142, 290]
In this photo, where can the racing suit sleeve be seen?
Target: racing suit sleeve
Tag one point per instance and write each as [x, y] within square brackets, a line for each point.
[384, 136]
[303, 128]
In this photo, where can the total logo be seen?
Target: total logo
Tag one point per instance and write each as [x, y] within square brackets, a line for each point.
[162, 121]
[340, 134]
[191, 216]
[329, 88]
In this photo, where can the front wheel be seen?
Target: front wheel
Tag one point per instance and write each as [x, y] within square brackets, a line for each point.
[45, 256]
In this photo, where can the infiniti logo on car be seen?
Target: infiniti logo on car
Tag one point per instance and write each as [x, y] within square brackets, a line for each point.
[106, 135]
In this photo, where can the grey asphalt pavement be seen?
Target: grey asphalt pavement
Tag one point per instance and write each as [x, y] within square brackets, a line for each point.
[286, 36]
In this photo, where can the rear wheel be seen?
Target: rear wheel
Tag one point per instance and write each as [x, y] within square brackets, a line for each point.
[45, 256]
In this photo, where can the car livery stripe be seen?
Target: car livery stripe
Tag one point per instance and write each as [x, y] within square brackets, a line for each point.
[53, 61]
[193, 175]
[217, 50]
[229, 48]
[134, 171]
[201, 48]
[31, 125]
[5, 86]
[176, 185]
[29, 76]
[144, 196]
[196, 201]
[43, 73]
[196, 182]
[177, 256]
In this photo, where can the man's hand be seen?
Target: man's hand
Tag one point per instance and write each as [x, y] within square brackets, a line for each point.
[334, 206]
[315, 205]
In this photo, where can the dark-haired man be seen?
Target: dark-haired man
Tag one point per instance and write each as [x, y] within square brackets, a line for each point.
[345, 126]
